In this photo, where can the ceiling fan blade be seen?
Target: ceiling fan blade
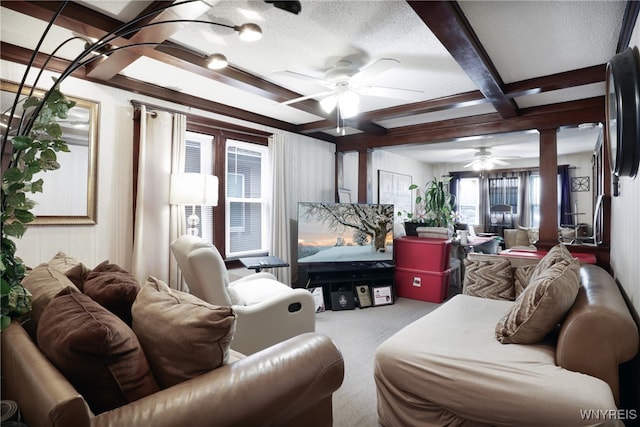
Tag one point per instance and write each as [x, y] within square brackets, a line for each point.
[392, 92]
[375, 68]
[301, 76]
[471, 164]
[498, 161]
[303, 98]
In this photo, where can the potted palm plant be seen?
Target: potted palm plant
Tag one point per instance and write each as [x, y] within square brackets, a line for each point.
[433, 206]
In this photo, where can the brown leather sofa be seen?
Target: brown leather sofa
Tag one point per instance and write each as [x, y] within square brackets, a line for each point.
[288, 384]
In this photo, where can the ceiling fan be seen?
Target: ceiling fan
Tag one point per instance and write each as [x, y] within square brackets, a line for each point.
[482, 160]
[345, 84]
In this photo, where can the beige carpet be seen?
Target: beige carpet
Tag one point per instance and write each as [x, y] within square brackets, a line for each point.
[357, 333]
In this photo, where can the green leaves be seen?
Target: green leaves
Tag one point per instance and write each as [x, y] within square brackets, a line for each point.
[34, 151]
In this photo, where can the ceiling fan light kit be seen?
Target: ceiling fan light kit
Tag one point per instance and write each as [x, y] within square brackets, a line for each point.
[483, 160]
[346, 85]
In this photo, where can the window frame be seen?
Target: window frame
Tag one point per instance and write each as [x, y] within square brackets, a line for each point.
[262, 200]
[221, 131]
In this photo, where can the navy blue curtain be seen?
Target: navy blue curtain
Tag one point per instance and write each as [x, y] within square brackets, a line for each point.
[566, 216]
[453, 189]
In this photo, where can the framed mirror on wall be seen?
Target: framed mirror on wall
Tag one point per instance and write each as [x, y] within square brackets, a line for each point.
[69, 194]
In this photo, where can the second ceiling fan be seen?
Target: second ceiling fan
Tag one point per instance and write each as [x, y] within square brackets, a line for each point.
[483, 160]
[345, 83]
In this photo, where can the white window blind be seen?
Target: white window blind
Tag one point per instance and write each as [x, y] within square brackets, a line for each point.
[247, 188]
[199, 159]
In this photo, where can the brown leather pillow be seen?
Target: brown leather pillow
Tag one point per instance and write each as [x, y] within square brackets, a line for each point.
[182, 335]
[542, 305]
[114, 288]
[489, 279]
[99, 355]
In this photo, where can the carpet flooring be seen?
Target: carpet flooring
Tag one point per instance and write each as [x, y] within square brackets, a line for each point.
[357, 333]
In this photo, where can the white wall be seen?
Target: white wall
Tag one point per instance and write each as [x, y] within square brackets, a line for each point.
[310, 169]
[420, 172]
[625, 228]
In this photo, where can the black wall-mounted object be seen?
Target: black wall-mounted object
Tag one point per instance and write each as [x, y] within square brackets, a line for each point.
[623, 112]
[290, 6]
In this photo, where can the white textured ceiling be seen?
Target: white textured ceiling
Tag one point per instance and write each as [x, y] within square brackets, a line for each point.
[525, 39]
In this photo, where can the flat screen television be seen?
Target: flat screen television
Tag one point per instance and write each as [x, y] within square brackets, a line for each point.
[344, 232]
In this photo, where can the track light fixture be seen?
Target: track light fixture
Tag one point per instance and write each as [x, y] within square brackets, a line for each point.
[249, 32]
[217, 61]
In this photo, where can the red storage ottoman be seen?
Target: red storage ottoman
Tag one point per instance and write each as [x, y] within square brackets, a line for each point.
[422, 253]
[431, 286]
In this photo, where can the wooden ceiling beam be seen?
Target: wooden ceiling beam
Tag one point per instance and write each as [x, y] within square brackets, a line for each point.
[82, 20]
[447, 22]
[583, 76]
[550, 116]
[21, 55]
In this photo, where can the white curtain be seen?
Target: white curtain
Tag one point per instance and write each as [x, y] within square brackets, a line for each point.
[156, 222]
[280, 240]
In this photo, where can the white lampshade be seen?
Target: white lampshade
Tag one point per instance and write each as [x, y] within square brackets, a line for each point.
[194, 189]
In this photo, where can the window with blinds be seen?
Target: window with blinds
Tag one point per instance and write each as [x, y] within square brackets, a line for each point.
[504, 191]
[469, 200]
[246, 198]
[199, 159]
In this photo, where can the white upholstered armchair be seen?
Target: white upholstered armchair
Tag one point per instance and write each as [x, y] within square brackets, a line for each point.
[268, 311]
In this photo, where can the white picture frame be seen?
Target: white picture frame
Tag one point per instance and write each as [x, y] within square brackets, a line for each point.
[344, 195]
[382, 295]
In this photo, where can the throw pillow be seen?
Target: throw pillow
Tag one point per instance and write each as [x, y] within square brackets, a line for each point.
[556, 254]
[521, 277]
[534, 235]
[44, 283]
[114, 288]
[542, 305]
[78, 274]
[63, 262]
[95, 351]
[182, 335]
[489, 279]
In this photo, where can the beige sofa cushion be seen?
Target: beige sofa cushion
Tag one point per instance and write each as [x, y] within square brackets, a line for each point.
[182, 335]
[95, 350]
[71, 267]
[544, 302]
[489, 279]
[44, 282]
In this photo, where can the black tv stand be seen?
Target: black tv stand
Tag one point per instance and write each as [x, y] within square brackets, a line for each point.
[345, 275]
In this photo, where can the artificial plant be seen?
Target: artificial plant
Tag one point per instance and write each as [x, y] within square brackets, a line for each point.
[29, 146]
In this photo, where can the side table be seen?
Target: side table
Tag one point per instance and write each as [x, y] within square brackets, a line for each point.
[257, 263]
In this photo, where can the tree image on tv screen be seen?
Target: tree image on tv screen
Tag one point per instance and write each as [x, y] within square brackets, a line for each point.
[368, 223]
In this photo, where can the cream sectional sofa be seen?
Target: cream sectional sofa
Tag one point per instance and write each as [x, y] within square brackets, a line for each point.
[448, 368]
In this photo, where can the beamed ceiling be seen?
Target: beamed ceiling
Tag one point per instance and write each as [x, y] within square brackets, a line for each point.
[483, 68]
